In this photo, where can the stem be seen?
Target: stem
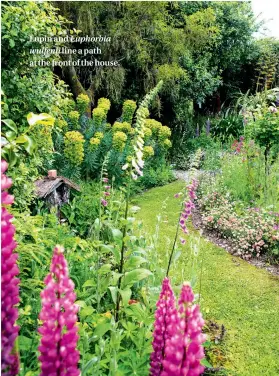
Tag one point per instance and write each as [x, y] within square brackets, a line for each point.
[173, 246]
[98, 239]
[200, 286]
[123, 248]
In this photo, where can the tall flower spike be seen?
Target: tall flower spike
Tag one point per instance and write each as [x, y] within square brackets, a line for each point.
[135, 162]
[59, 356]
[164, 327]
[185, 351]
[9, 282]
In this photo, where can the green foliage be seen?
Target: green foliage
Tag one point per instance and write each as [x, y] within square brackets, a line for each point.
[228, 125]
[29, 88]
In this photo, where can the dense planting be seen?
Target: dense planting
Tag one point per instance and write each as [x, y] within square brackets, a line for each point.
[87, 288]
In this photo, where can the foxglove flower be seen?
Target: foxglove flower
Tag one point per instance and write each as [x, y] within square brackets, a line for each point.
[106, 192]
[164, 327]
[135, 162]
[9, 282]
[184, 351]
[59, 355]
[188, 205]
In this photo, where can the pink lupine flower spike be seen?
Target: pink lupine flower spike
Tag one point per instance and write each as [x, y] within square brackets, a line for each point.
[59, 355]
[9, 282]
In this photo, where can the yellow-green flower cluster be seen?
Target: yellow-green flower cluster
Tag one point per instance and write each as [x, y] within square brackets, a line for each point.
[154, 125]
[99, 135]
[118, 141]
[73, 147]
[82, 102]
[94, 143]
[74, 118]
[122, 127]
[67, 105]
[61, 124]
[147, 133]
[99, 116]
[108, 126]
[104, 103]
[167, 143]
[128, 110]
[164, 133]
[148, 152]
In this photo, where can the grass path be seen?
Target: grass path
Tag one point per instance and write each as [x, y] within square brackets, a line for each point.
[234, 293]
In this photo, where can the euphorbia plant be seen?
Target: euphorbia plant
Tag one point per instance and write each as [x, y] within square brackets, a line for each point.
[9, 282]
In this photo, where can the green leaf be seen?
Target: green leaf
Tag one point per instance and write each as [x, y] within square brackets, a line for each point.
[117, 235]
[81, 303]
[21, 139]
[126, 296]
[10, 124]
[24, 342]
[101, 330]
[86, 311]
[134, 262]
[113, 291]
[104, 269]
[44, 119]
[30, 145]
[89, 283]
[135, 276]
[10, 135]
[115, 277]
[12, 43]
[89, 364]
[206, 363]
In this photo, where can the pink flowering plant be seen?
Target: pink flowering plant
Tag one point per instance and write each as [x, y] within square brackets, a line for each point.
[177, 337]
[187, 205]
[250, 231]
[9, 282]
[58, 347]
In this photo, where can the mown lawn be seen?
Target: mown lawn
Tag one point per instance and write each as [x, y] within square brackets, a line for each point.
[234, 293]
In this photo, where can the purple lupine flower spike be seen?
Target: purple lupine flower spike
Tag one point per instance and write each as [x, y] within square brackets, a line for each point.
[164, 327]
[59, 355]
[184, 351]
[9, 282]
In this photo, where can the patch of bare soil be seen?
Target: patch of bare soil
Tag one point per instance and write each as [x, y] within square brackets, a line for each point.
[260, 262]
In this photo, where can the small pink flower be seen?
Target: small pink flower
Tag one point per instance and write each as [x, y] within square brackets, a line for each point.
[105, 180]
[104, 202]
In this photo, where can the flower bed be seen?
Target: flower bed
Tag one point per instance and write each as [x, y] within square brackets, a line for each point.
[251, 231]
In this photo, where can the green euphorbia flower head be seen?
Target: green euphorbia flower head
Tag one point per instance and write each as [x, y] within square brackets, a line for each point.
[118, 141]
[99, 115]
[73, 149]
[128, 111]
